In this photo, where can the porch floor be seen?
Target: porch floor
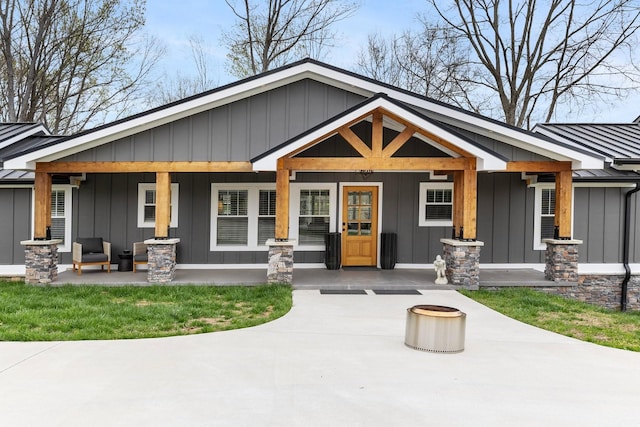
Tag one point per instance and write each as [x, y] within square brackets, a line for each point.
[310, 278]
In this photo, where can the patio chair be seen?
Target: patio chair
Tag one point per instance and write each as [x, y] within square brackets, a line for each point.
[139, 254]
[91, 251]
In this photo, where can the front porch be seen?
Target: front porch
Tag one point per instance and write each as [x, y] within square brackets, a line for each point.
[311, 278]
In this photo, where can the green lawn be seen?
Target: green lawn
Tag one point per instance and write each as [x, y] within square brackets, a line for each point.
[567, 317]
[34, 313]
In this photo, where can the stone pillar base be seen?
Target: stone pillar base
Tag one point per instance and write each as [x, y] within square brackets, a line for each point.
[161, 267]
[40, 261]
[561, 260]
[463, 262]
[280, 268]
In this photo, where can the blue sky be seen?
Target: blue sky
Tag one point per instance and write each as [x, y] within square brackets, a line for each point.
[174, 22]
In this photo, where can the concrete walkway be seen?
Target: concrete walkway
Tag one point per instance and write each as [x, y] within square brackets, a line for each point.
[334, 360]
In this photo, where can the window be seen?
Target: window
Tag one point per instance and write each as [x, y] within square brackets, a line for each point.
[147, 205]
[544, 214]
[61, 216]
[243, 216]
[436, 204]
[313, 221]
[312, 212]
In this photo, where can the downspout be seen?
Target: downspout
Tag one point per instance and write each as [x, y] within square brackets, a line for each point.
[625, 246]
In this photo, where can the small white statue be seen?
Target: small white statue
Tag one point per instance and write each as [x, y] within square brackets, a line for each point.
[440, 266]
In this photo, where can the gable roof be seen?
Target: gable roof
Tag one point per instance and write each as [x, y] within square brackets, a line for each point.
[619, 143]
[305, 69]
[487, 160]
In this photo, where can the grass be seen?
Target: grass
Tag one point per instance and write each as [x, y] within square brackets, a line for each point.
[567, 317]
[32, 313]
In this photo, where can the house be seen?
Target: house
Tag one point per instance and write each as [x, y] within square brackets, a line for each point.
[251, 173]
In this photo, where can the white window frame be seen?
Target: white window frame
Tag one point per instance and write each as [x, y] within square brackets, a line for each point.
[142, 189]
[253, 210]
[66, 244]
[294, 210]
[422, 200]
[538, 244]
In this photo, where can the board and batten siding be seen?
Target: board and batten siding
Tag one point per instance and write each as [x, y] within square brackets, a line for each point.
[237, 131]
[15, 223]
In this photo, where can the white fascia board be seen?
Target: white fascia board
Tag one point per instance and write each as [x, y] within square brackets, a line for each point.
[32, 131]
[486, 161]
[160, 117]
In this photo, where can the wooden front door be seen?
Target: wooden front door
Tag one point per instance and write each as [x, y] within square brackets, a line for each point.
[359, 226]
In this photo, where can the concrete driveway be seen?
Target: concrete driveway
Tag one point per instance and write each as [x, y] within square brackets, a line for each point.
[334, 360]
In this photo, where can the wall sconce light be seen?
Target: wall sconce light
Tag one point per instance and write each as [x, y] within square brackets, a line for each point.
[365, 173]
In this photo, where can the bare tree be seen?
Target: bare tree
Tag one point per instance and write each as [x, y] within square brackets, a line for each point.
[539, 56]
[181, 86]
[274, 33]
[71, 63]
[432, 62]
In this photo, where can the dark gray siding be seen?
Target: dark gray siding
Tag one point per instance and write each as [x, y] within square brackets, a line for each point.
[106, 205]
[235, 132]
[15, 223]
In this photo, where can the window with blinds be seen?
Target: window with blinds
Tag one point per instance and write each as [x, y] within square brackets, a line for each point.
[233, 221]
[314, 216]
[266, 216]
[547, 213]
[243, 216]
[58, 215]
[435, 204]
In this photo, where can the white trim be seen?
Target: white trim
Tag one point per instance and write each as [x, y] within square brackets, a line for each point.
[309, 265]
[380, 199]
[253, 200]
[294, 210]
[538, 244]
[422, 202]
[588, 184]
[606, 269]
[12, 270]
[17, 186]
[175, 192]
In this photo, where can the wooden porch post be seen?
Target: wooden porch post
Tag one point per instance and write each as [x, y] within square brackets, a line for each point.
[458, 201]
[465, 201]
[282, 202]
[163, 204]
[470, 178]
[563, 204]
[42, 219]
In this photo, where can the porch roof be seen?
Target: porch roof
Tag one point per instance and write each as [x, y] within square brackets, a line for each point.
[486, 159]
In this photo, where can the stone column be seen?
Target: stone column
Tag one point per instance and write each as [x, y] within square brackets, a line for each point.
[40, 261]
[280, 268]
[161, 260]
[561, 260]
[463, 262]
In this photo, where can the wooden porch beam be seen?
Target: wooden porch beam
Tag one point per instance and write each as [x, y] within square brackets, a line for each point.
[282, 202]
[355, 141]
[42, 215]
[458, 201]
[376, 134]
[563, 204]
[543, 166]
[115, 167]
[163, 204]
[380, 164]
[398, 141]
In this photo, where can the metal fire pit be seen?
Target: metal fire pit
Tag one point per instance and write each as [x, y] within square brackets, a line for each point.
[435, 328]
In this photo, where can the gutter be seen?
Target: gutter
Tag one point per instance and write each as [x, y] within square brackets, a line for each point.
[625, 247]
